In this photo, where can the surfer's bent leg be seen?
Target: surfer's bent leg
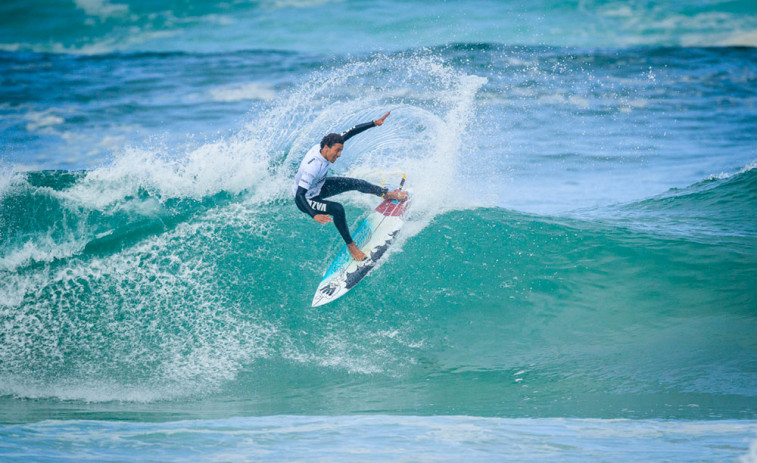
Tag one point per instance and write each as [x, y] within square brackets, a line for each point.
[333, 209]
[336, 185]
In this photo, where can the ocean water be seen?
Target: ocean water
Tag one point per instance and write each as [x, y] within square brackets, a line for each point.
[575, 281]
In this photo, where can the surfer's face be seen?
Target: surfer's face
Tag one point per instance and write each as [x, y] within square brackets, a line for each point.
[332, 153]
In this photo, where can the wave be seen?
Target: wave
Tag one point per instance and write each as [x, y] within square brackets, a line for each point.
[142, 188]
[201, 296]
[99, 267]
[185, 272]
[718, 207]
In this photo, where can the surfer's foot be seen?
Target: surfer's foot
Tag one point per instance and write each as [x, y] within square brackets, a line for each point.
[357, 254]
[396, 194]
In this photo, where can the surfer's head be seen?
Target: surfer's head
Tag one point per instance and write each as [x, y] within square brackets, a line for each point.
[332, 146]
[331, 140]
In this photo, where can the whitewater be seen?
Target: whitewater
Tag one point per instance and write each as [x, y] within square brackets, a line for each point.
[575, 281]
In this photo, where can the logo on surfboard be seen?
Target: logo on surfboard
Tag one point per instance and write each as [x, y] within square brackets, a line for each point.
[330, 289]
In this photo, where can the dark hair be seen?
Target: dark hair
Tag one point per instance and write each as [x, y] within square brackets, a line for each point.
[331, 140]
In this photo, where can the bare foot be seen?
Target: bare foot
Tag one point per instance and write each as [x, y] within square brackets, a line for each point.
[396, 194]
[357, 254]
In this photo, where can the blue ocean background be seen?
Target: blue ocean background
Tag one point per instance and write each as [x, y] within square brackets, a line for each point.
[575, 281]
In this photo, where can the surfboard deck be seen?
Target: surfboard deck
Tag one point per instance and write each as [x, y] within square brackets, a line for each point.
[373, 236]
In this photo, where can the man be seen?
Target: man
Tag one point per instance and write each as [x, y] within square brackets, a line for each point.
[311, 186]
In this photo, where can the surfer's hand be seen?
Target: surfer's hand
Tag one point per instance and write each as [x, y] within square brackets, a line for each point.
[322, 218]
[381, 121]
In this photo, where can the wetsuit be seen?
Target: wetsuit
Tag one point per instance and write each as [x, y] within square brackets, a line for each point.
[311, 186]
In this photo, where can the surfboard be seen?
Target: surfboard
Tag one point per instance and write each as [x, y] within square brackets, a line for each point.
[373, 236]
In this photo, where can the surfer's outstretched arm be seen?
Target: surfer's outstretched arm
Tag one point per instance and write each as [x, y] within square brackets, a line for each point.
[349, 133]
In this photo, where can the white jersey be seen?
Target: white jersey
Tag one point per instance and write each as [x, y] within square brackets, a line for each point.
[312, 172]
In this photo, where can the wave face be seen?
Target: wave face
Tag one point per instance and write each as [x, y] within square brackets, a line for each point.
[115, 290]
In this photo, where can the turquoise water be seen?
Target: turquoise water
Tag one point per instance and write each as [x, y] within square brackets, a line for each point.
[575, 281]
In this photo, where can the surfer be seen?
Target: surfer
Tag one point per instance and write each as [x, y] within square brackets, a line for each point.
[311, 186]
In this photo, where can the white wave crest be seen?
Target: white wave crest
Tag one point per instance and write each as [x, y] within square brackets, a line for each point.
[232, 166]
[725, 175]
[9, 178]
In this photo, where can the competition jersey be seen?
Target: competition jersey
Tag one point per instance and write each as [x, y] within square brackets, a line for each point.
[314, 167]
[312, 172]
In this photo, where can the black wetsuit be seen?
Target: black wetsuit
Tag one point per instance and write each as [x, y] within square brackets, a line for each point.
[330, 186]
